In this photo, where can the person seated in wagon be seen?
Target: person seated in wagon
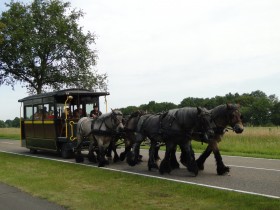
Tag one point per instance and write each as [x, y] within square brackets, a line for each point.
[95, 112]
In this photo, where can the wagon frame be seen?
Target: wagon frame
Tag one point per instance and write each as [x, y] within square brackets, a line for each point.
[48, 120]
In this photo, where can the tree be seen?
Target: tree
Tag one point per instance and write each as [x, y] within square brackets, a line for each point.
[16, 123]
[44, 48]
[275, 114]
[2, 124]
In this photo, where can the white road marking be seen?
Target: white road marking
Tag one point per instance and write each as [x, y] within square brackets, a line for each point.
[151, 176]
[5, 142]
[265, 169]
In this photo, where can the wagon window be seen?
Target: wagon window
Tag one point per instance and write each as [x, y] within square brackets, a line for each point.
[48, 111]
[28, 113]
[59, 110]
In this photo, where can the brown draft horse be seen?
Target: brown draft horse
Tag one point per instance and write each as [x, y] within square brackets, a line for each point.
[223, 116]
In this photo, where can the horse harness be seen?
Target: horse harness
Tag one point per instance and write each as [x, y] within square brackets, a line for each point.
[111, 130]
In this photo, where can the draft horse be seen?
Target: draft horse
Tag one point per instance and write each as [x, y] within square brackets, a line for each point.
[223, 116]
[172, 128]
[101, 132]
[177, 127]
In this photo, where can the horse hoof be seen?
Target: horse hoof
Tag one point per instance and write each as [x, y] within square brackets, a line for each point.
[193, 168]
[92, 158]
[116, 159]
[175, 165]
[164, 167]
[122, 156]
[200, 165]
[130, 159]
[152, 165]
[223, 170]
[101, 165]
[109, 158]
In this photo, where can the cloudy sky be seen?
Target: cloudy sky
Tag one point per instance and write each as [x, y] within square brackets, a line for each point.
[167, 50]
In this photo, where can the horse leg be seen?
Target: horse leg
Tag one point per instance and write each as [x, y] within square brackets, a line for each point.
[156, 155]
[128, 139]
[112, 148]
[102, 159]
[78, 151]
[91, 156]
[116, 156]
[173, 159]
[133, 156]
[221, 168]
[165, 163]
[108, 151]
[152, 161]
[189, 157]
[202, 158]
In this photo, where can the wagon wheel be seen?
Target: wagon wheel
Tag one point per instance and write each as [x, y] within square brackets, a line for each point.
[33, 151]
[66, 153]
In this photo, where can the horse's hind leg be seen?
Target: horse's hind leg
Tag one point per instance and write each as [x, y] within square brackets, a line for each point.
[91, 156]
[78, 151]
[189, 159]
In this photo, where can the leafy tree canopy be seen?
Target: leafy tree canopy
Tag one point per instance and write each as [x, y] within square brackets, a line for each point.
[43, 48]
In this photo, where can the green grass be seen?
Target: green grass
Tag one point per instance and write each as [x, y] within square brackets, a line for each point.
[262, 142]
[9, 133]
[81, 187]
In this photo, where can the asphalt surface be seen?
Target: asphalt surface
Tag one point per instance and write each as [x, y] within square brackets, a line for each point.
[247, 175]
[12, 198]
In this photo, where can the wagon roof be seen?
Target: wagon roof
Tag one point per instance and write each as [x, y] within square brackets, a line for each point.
[81, 92]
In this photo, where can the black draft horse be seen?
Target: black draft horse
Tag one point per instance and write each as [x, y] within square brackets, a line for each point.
[223, 115]
[172, 128]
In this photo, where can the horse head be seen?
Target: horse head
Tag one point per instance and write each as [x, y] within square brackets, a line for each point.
[117, 120]
[234, 117]
[205, 122]
[132, 120]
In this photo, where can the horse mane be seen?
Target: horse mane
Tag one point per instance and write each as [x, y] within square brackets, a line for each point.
[221, 111]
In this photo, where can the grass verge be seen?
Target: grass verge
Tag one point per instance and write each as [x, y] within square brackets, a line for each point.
[81, 187]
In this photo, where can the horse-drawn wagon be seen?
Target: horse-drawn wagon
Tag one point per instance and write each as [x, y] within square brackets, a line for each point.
[49, 120]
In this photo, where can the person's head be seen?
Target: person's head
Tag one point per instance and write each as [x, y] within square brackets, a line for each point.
[95, 107]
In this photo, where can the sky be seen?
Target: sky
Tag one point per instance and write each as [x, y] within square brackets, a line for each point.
[168, 50]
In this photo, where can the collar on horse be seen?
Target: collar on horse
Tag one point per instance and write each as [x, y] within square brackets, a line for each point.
[110, 130]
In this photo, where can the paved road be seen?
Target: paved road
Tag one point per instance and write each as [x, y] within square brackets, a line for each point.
[12, 198]
[248, 175]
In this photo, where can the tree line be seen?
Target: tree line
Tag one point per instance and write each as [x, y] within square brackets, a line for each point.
[15, 123]
[256, 107]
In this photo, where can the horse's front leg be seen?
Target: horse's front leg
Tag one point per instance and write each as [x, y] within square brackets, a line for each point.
[189, 158]
[129, 139]
[202, 158]
[165, 163]
[113, 148]
[102, 159]
[133, 156]
[221, 167]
